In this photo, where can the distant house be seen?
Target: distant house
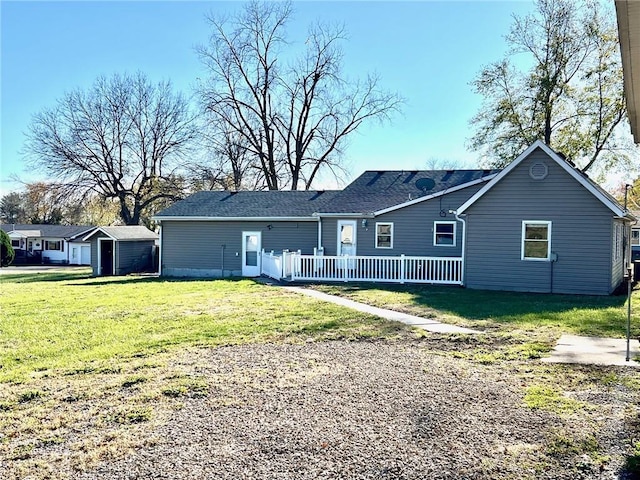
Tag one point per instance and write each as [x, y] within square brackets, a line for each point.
[539, 225]
[36, 243]
[120, 250]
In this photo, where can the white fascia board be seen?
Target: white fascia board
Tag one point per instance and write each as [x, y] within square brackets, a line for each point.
[344, 215]
[94, 231]
[81, 234]
[435, 195]
[235, 219]
[561, 162]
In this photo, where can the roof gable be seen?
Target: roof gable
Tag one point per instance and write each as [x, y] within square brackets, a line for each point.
[124, 233]
[580, 177]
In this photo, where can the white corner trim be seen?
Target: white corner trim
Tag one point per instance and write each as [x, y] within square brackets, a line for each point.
[435, 195]
[556, 158]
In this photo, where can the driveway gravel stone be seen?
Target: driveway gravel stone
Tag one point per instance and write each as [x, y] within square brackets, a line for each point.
[355, 410]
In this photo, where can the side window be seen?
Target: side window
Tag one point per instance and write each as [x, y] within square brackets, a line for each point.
[384, 235]
[444, 234]
[617, 242]
[536, 240]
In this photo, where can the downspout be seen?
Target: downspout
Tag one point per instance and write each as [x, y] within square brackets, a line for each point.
[464, 241]
[222, 259]
[319, 231]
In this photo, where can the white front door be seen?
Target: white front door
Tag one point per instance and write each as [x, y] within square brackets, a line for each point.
[251, 246]
[347, 237]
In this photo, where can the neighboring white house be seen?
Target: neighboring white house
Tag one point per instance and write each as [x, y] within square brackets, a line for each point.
[49, 243]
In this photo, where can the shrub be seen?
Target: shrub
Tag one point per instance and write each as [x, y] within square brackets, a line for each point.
[6, 250]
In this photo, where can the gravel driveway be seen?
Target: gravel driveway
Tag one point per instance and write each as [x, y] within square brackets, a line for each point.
[357, 410]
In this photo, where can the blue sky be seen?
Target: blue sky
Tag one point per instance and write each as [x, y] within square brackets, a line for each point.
[427, 51]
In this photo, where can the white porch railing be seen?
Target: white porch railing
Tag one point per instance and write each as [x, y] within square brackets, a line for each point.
[277, 266]
[294, 266]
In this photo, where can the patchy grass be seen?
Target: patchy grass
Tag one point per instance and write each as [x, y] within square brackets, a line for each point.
[551, 399]
[89, 367]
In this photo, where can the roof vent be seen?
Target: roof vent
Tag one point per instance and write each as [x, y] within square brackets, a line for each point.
[425, 184]
[539, 171]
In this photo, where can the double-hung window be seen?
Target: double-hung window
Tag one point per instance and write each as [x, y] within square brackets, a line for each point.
[618, 235]
[536, 240]
[53, 245]
[384, 235]
[444, 234]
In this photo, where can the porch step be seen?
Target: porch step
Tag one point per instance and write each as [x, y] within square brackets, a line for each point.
[423, 323]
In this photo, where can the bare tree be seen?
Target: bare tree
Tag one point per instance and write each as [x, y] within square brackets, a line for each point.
[293, 118]
[122, 139]
[440, 163]
[228, 164]
[571, 96]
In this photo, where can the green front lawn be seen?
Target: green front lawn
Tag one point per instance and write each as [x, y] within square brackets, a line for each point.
[68, 322]
[501, 311]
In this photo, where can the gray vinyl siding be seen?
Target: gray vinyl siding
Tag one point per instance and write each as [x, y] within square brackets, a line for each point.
[412, 228]
[133, 256]
[581, 234]
[130, 256]
[196, 248]
[94, 253]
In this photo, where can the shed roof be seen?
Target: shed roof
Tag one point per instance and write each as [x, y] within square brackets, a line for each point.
[124, 233]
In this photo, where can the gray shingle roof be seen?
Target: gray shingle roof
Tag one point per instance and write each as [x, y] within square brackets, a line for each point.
[370, 192]
[55, 231]
[126, 232]
[376, 190]
[272, 204]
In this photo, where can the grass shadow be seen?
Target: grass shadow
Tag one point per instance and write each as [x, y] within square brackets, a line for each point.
[128, 279]
[588, 314]
[43, 277]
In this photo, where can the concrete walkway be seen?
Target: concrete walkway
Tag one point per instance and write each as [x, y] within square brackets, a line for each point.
[594, 351]
[571, 349]
[423, 323]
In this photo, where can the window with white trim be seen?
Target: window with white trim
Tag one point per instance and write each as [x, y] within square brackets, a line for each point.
[536, 240]
[635, 236]
[384, 235]
[617, 242]
[15, 243]
[444, 234]
[53, 245]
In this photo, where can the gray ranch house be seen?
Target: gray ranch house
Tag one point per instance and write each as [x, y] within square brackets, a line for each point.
[539, 225]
